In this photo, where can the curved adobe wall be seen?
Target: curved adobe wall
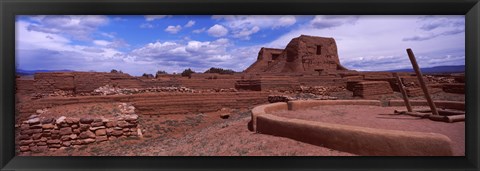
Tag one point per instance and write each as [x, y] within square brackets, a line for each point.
[353, 139]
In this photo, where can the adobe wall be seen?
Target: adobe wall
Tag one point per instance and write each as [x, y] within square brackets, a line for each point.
[266, 57]
[353, 139]
[158, 103]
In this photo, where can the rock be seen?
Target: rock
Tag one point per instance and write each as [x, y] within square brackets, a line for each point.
[131, 117]
[77, 142]
[86, 120]
[100, 132]
[42, 143]
[43, 139]
[53, 142]
[54, 145]
[95, 128]
[60, 120]
[65, 138]
[66, 144]
[224, 115]
[72, 120]
[64, 124]
[111, 138]
[26, 132]
[33, 121]
[33, 116]
[97, 124]
[46, 134]
[87, 134]
[37, 136]
[76, 131]
[139, 133]
[26, 142]
[36, 126]
[23, 137]
[66, 131]
[41, 148]
[48, 126]
[24, 126]
[88, 140]
[84, 127]
[110, 124]
[117, 133]
[74, 126]
[55, 136]
[24, 148]
[73, 136]
[39, 111]
[55, 131]
[47, 120]
[122, 124]
[36, 130]
[101, 138]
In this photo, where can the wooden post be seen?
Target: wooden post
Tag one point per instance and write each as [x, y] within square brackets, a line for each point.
[422, 82]
[404, 93]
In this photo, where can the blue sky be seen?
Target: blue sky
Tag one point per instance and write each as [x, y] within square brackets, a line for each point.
[146, 43]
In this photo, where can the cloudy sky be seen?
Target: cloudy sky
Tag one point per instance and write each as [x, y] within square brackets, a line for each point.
[144, 44]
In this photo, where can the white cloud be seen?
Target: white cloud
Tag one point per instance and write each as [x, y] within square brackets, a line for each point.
[79, 27]
[146, 25]
[40, 50]
[243, 26]
[330, 21]
[154, 17]
[199, 30]
[245, 33]
[101, 42]
[217, 31]
[173, 29]
[285, 21]
[189, 24]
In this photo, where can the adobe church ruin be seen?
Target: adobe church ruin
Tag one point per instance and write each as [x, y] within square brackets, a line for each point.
[302, 54]
[308, 67]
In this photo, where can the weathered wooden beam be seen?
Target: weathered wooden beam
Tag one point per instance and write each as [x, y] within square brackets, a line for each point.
[438, 118]
[404, 93]
[418, 114]
[422, 81]
[440, 112]
[456, 118]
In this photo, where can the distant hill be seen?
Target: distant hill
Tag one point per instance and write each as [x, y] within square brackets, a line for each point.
[31, 72]
[437, 69]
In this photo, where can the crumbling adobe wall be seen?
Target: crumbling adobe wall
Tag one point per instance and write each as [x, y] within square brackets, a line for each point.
[370, 89]
[266, 57]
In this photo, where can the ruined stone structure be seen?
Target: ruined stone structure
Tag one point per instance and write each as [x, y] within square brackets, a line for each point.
[302, 54]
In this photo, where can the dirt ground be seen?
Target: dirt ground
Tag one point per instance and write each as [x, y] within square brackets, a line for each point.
[203, 134]
[383, 118]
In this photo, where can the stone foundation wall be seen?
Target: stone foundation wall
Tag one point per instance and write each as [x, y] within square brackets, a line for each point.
[38, 134]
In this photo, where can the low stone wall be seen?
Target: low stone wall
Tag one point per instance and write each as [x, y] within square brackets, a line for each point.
[38, 134]
[353, 139]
